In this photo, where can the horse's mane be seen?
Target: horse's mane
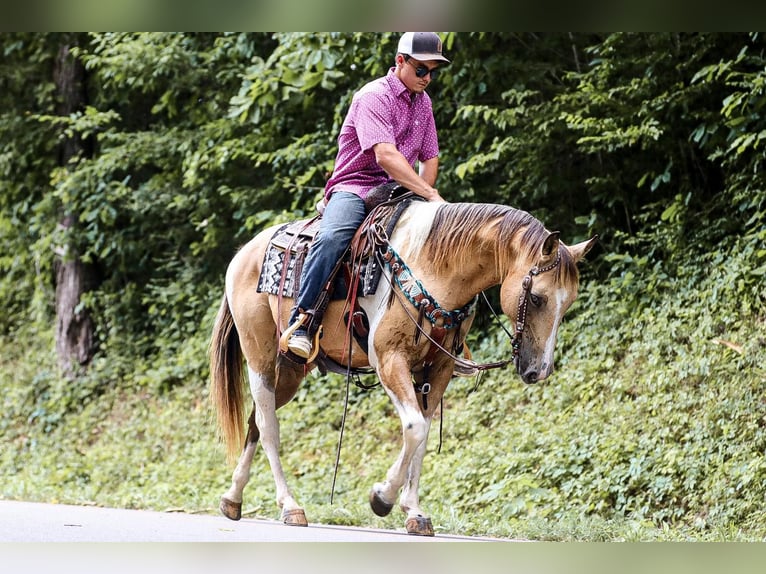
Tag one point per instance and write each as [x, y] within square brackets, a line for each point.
[456, 225]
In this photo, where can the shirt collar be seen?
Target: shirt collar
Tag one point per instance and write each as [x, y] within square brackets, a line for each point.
[398, 87]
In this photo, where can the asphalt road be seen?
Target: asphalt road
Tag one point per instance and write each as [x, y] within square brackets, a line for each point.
[37, 522]
[62, 539]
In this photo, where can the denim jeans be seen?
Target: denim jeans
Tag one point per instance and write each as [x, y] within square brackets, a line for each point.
[343, 215]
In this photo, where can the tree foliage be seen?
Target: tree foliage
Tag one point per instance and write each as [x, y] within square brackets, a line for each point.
[202, 139]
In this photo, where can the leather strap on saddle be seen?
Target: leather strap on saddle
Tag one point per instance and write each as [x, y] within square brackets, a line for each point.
[362, 246]
[283, 275]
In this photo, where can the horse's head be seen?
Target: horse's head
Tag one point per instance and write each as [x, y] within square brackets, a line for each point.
[536, 293]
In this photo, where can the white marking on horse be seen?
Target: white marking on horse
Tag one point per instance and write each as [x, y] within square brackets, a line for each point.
[417, 234]
[376, 305]
[550, 345]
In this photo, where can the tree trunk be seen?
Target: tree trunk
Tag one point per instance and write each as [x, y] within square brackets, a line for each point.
[74, 327]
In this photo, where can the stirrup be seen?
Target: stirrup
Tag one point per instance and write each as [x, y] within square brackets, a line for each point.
[315, 345]
[285, 338]
[290, 330]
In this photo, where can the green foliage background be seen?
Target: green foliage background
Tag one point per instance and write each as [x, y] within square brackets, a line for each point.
[651, 428]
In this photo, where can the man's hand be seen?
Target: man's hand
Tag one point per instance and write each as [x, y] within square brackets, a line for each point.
[433, 195]
[397, 167]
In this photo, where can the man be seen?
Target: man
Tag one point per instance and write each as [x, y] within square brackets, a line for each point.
[389, 127]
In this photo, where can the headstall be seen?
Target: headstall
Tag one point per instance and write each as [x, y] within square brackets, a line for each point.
[526, 287]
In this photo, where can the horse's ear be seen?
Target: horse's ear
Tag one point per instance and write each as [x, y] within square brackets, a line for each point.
[551, 244]
[580, 250]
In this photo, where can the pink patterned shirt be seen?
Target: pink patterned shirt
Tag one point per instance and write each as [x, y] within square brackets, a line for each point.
[382, 111]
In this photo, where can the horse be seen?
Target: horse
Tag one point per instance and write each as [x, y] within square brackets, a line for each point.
[452, 252]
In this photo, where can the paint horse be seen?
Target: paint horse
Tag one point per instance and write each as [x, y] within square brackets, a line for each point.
[450, 252]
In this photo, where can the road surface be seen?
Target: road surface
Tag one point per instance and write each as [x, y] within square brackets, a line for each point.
[37, 522]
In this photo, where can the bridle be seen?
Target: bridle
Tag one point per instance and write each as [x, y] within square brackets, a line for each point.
[521, 314]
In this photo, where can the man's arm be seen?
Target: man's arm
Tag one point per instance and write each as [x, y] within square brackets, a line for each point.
[397, 167]
[429, 169]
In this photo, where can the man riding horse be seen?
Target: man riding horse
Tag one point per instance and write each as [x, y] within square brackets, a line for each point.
[389, 128]
[438, 257]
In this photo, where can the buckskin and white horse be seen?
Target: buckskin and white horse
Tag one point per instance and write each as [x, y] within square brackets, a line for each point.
[436, 260]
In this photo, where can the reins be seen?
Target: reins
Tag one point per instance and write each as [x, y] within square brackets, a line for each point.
[458, 360]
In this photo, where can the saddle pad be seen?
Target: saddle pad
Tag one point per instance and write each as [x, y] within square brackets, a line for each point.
[271, 270]
[285, 236]
[271, 274]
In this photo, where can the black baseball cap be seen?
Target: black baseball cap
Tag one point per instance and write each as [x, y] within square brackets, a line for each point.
[422, 46]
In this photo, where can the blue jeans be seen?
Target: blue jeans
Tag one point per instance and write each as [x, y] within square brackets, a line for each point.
[343, 215]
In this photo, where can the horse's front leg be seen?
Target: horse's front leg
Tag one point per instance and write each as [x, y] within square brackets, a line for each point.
[395, 375]
[409, 501]
[439, 377]
[268, 424]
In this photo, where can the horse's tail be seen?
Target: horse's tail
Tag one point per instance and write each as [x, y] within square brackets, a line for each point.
[227, 381]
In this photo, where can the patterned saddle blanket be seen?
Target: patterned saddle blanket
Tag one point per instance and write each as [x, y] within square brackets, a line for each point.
[291, 243]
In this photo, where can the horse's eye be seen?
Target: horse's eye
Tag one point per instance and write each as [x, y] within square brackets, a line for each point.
[537, 301]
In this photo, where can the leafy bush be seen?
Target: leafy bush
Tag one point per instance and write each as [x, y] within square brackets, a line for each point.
[651, 428]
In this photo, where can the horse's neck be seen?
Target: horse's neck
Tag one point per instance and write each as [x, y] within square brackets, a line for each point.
[411, 233]
[462, 276]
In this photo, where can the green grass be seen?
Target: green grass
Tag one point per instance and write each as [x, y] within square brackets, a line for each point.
[650, 429]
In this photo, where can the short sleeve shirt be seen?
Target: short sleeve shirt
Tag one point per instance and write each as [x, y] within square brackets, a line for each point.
[382, 111]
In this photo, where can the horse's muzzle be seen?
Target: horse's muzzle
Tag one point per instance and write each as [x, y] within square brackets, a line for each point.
[530, 377]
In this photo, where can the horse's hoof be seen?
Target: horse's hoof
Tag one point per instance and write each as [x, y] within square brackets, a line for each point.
[378, 505]
[231, 510]
[294, 517]
[420, 526]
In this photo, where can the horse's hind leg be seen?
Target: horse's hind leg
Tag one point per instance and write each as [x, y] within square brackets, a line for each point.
[231, 501]
[267, 400]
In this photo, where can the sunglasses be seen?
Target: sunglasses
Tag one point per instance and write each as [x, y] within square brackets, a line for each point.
[421, 71]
